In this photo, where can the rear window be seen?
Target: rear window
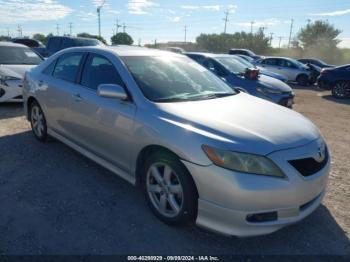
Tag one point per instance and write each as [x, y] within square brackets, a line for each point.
[13, 55]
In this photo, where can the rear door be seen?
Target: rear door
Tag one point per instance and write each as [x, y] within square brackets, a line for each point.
[102, 125]
[57, 83]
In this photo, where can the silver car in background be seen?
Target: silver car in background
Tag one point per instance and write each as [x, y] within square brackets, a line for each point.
[202, 152]
[292, 69]
[15, 60]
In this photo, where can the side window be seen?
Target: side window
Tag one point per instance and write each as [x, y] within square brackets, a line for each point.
[49, 69]
[67, 66]
[208, 63]
[197, 58]
[99, 70]
[272, 62]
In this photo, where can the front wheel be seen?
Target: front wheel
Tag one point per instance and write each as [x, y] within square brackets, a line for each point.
[169, 189]
[302, 80]
[341, 89]
[38, 122]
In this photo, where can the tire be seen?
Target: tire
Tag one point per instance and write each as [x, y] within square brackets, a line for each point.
[169, 189]
[302, 80]
[341, 89]
[38, 122]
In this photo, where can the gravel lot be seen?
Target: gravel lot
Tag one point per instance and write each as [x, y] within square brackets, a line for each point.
[55, 201]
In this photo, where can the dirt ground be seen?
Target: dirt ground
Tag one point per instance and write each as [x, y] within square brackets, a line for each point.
[55, 201]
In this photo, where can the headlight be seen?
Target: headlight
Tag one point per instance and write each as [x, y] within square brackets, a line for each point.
[266, 90]
[4, 78]
[243, 162]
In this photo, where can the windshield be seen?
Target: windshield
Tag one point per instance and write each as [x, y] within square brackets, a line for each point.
[232, 64]
[244, 62]
[13, 55]
[175, 79]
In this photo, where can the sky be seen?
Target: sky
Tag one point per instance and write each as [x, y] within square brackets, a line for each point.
[161, 20]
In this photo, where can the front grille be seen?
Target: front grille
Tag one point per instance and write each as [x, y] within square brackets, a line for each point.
[309, 166]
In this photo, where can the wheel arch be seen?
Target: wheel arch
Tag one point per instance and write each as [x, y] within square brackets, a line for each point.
[147, 151]
[29, 103]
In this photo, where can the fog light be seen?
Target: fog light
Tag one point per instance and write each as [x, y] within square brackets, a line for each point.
[262, 217]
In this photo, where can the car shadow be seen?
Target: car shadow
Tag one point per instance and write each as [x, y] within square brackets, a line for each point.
[55, 201]
[309, 87]
[10, 110]
[345, 101]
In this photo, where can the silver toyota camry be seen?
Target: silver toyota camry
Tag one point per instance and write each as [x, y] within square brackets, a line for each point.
[201, 151]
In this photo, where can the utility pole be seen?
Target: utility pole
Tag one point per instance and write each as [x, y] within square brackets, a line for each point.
[124, 26]
[271, 38]
[291, 32]
[155, 43]
[185, 34]
[99, 16]
[70, 28]
[227, 12]
[139, 41]
[280, 40]
[263, 28]
[19, 30]
[251, 26]
[117, 26]
[58, 29]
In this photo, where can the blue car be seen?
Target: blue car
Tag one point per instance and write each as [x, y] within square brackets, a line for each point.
[237, 75]
[336, 79]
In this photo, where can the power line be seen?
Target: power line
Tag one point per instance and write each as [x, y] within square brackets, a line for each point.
[290, 33]
[117, 26]
[227, 12]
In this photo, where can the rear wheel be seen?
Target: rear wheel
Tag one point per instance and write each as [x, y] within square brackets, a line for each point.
[302, 80]
[38, 122]
[341, 89]
[169, 189]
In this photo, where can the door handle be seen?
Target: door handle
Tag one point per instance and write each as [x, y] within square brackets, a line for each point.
[77, 97]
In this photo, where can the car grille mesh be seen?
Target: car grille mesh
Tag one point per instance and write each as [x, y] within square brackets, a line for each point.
[309, 166]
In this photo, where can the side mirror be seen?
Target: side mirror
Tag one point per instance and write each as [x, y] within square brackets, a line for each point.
[112, 91]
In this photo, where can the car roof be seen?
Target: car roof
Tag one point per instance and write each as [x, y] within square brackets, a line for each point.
[124, 50]
[208, 54]
[4, 43]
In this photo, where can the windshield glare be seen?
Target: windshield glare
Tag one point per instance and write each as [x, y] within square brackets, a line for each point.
[10, 55]
[175, 79]
[232, 64]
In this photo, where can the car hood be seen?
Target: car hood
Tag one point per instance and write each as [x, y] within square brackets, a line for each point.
[241, 123]
[273, 83]
[17, 71]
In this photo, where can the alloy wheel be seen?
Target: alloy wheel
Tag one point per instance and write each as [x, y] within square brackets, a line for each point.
[38, 121]
[164, 189]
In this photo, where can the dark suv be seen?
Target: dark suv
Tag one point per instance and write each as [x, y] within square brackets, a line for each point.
[58, 43]
[337, 79]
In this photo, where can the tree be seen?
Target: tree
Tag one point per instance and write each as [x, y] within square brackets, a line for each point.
[222, 43]
[318, 32]
[87, 35]
[40, 37]
[122, 39]
[319, 39]
[4, 38]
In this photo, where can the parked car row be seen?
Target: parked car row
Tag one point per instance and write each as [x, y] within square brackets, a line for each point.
[201, 150]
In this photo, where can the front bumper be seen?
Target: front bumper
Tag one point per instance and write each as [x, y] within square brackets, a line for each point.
[227, 198]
